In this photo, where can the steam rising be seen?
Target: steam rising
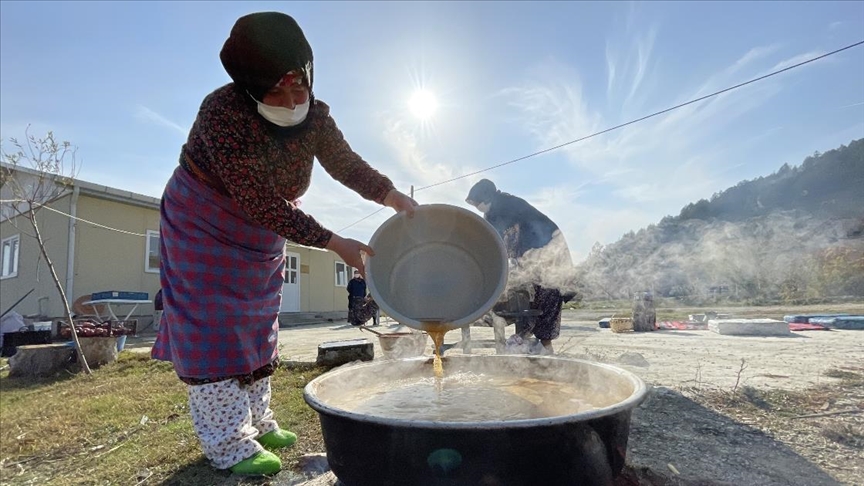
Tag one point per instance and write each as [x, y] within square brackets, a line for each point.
[550, 267]
[760, 257]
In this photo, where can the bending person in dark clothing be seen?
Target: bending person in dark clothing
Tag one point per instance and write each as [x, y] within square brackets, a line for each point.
[539, 256]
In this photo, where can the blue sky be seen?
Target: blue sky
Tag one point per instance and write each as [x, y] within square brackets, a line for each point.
[123, 82]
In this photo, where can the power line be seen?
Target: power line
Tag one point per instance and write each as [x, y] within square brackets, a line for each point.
[362, 219]
[49, 208]
[616, 127]
[667, 110]
[5, 201]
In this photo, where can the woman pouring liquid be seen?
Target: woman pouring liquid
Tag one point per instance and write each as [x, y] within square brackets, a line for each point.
[226, 214]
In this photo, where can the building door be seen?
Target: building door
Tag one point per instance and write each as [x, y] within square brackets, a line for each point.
[291, 286]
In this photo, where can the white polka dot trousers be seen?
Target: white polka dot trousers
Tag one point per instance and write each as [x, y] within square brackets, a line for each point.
[227, 418]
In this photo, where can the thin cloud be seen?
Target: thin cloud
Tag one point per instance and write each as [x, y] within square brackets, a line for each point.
[725, 77]
[554, 110]
[721, 110]
[797, 59]
[850, 106]
[657, 165]
[610, 69]
[644, 47]
[628, 65]
[751, 56]
[146, 114]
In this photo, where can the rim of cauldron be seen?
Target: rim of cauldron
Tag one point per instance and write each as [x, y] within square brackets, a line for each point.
[640, 392]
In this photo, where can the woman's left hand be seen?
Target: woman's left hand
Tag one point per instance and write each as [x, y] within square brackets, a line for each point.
[400, 202]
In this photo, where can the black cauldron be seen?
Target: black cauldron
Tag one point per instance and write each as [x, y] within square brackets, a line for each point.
[586, 448]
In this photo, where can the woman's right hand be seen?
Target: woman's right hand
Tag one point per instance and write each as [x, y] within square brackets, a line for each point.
[351, 251]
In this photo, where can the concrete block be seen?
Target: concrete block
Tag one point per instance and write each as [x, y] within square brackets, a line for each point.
[337, 353]
[40, 360]
[749, 327]
[99, 350]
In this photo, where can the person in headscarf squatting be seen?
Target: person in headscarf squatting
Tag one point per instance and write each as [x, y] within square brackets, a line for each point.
[540, 256]
[226, 214]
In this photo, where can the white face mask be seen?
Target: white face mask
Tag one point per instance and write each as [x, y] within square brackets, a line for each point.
[484, 207]
[282, 116]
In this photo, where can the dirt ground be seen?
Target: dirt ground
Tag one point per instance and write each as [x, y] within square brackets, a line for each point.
[723, 410]
[777, 410]
[667, 358]
[696, 358]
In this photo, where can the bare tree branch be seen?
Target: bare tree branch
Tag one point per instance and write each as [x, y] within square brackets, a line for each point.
[738, 376]
[52, 169]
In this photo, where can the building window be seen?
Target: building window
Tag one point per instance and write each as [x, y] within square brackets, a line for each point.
[342, 274]
[292, 273]
[10, 248]
[151, 259]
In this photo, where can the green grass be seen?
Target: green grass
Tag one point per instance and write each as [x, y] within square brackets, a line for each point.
[75, 429]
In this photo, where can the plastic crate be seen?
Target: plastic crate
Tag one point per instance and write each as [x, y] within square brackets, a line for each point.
[124, 328]
[100, 329]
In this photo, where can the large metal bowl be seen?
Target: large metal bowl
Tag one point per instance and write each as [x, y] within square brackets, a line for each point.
[586, 448]
[445, 264]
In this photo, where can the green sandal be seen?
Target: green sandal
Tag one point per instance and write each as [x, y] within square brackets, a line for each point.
[277, 439]
[263, 463]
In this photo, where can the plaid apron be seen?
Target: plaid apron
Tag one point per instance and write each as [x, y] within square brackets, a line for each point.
[222, 276]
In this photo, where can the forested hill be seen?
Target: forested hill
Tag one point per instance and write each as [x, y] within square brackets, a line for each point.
[830, 185]
[795, 235]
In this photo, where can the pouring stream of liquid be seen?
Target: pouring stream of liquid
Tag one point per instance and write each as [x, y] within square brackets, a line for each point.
[436, 330]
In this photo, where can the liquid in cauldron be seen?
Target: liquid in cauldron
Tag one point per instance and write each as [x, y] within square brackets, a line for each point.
[476, 427]
[468, 397]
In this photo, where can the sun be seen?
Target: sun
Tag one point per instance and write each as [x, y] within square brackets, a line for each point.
[423, 104]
